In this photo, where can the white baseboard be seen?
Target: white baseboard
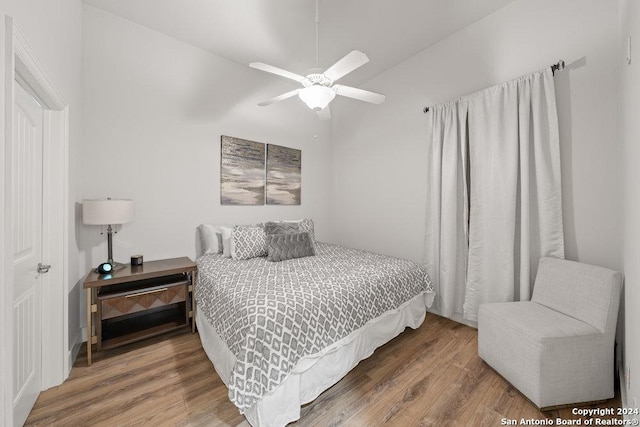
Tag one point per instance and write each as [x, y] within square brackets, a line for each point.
[623, 386]
[72, 355]
[630, 419]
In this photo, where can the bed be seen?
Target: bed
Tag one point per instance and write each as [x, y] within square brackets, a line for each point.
[280, 333]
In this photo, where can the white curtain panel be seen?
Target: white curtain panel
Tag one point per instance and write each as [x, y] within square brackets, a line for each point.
[515, 203]
[446, 237]
[493, 193]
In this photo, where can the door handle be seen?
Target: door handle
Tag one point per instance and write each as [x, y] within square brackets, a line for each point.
[43, 268]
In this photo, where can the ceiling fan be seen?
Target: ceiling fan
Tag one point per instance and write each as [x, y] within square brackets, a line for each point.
[319, 88]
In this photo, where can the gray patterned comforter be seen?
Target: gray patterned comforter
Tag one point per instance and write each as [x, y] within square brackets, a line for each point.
[271, 314]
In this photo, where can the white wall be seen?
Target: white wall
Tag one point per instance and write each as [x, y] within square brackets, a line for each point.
[630, 136]
[379, 152]
[154, 111]
[53, 29]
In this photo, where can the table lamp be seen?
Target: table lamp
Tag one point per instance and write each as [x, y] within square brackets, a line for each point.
[108, 212]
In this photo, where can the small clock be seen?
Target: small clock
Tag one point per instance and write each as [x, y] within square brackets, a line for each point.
[105, 268]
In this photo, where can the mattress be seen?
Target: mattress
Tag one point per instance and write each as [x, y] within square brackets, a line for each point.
[274, 318]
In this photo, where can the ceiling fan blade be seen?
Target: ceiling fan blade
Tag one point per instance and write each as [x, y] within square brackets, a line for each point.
[277, 71]
[279, 98]
[360, 94]
[324, 114]
[350, 62]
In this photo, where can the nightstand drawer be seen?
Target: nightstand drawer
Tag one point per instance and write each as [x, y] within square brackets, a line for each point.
[141, 300]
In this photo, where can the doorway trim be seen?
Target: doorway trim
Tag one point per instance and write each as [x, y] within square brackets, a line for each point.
[19, 61]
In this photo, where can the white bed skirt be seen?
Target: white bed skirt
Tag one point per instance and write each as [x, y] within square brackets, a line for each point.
[315, 373]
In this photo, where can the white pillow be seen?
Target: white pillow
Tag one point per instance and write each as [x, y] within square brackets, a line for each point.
[210, 239]
[226, 240]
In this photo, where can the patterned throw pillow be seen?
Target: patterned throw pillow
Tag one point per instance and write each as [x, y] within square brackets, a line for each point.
[248, 242]
[282, 247]
[307, 225]
[281, 227]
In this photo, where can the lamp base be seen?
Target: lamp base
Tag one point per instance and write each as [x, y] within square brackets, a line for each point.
[118, 266]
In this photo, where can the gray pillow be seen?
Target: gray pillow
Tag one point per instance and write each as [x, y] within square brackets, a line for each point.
[281, 228]
[303, 225]
[281, 247]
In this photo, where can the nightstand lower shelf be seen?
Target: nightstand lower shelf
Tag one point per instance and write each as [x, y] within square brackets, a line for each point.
[121, 331]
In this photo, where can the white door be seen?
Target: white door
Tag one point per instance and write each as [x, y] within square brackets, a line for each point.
[26, 196]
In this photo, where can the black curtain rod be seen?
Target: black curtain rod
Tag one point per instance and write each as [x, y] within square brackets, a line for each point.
[559, 66]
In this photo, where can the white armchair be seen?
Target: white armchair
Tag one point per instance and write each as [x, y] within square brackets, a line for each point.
[557, 348]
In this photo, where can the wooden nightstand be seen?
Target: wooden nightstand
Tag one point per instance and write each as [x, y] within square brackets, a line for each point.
[138, 302]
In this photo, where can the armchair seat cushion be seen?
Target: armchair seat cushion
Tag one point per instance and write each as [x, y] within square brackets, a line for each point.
[535, 321]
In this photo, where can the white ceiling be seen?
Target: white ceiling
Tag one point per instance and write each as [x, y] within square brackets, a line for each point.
[282, 32]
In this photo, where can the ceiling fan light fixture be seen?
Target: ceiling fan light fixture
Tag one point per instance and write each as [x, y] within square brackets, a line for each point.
[317, 97]
[318, 86]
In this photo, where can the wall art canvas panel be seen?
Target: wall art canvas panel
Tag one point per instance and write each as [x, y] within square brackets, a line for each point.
[242, 180]
[284, 177]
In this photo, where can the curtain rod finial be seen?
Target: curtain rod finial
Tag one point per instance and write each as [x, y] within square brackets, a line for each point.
[557, 67]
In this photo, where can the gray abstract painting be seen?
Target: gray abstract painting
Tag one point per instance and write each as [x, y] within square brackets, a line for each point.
[242, 167]
[284, 178]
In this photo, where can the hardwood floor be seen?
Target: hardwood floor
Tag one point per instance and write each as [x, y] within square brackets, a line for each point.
[428, 377]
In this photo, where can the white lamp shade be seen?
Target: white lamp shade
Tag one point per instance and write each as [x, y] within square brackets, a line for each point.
[105, 212]
[317, 97]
